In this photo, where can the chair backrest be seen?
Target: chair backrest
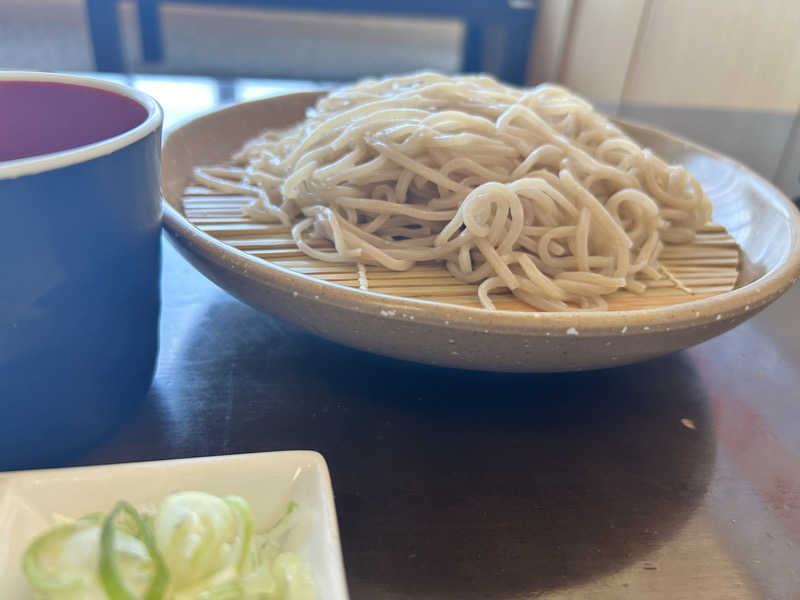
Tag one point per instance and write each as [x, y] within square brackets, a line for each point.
[510, 22]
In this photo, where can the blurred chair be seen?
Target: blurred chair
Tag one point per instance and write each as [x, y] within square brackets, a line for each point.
[509, 22]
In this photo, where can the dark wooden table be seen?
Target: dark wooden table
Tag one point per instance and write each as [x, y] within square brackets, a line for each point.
[677, 478]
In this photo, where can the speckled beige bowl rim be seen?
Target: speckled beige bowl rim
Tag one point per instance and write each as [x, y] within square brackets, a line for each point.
[727, 305]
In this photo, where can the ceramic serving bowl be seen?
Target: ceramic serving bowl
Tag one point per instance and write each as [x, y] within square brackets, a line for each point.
[764, 223]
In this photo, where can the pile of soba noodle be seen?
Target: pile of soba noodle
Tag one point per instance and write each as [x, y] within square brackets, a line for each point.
[523, 190]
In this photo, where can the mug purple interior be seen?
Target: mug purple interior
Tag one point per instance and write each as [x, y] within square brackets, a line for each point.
[42, 117]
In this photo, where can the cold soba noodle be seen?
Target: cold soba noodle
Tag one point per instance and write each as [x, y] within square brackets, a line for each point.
[526, 190]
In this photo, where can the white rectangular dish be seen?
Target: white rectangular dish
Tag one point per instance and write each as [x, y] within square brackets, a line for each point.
[32, 501]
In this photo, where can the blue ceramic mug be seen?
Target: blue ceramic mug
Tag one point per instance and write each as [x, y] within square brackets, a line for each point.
[79, 260]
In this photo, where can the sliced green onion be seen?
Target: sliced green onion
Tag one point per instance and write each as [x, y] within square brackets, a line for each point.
[284, 524]
[261, 582]
[208, 542]
[242, 509]
[109, 573]
[198, 546]
[39, 577]
[229, 591]
[95, 518]
[296, 581]
[197, 534]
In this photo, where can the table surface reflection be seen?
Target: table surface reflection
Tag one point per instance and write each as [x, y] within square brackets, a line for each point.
[677, 478]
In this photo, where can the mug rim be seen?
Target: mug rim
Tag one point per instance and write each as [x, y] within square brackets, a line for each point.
[30, 165]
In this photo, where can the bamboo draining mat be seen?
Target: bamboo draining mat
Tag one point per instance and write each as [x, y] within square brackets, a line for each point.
[707, 267]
